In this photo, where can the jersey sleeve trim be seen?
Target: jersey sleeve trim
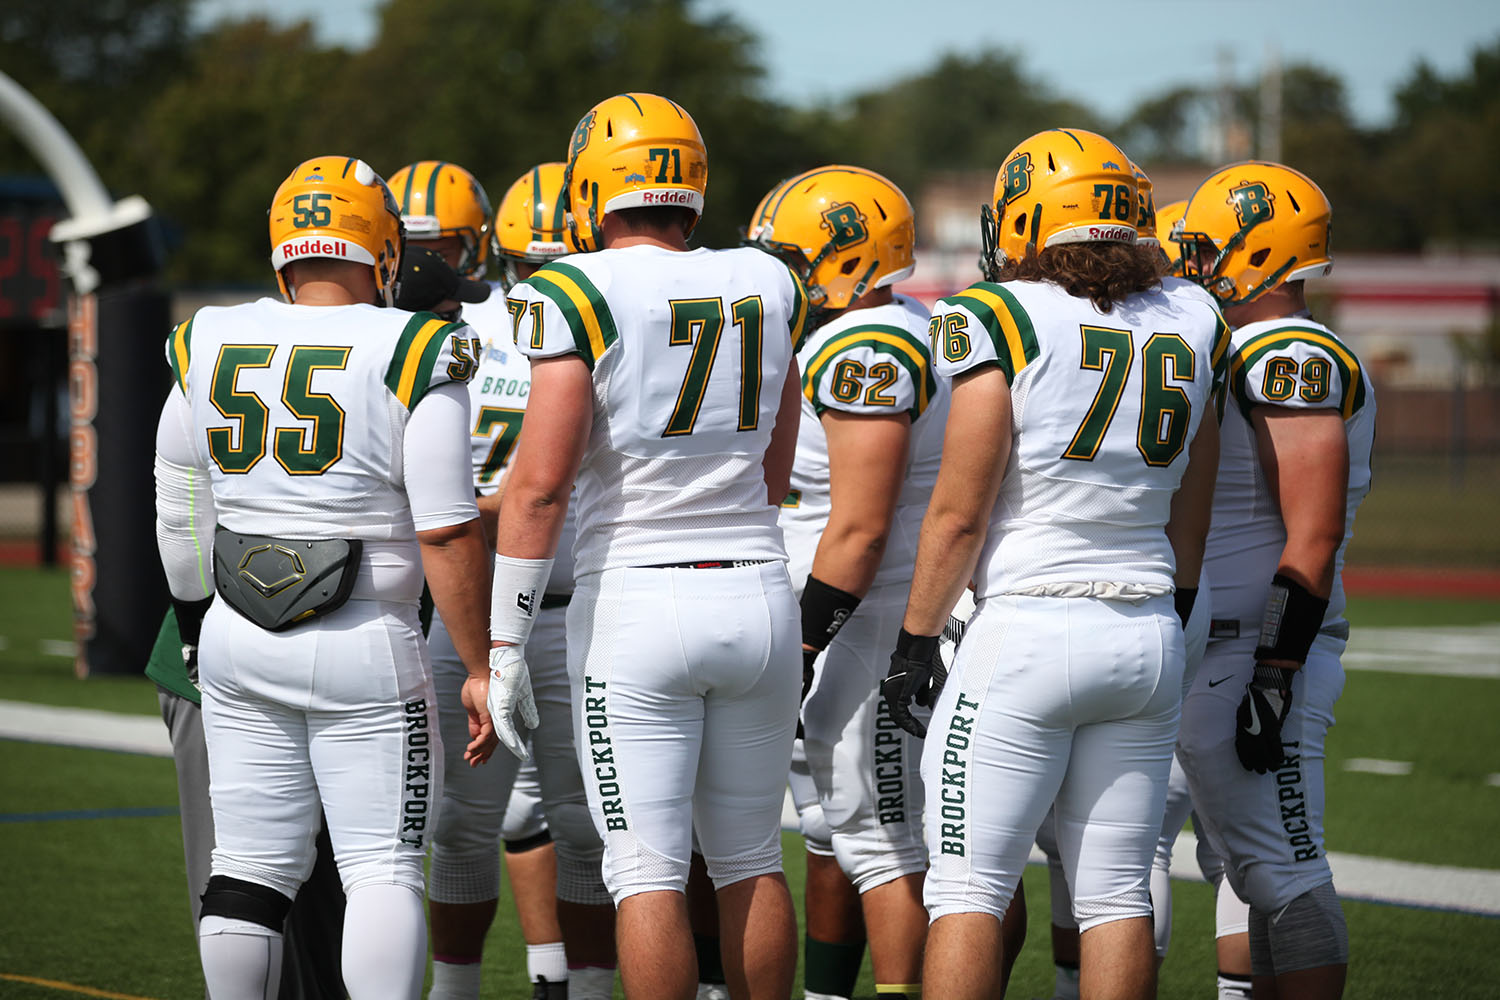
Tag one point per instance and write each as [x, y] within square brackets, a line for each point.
[587, 315]
[1006, 321]
[891, 341]
[1349, 371]
[799, 309]
[180, 351]
[410, 373]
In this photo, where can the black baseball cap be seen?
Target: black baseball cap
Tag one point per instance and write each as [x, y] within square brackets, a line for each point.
[426, 280]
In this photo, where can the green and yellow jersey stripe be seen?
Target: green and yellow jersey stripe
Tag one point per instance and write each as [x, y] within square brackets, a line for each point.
[180, 351]
[891, 341]
[410, 371]
[587, 314]
[1348, 365]
[1006, 321]
[799, 309]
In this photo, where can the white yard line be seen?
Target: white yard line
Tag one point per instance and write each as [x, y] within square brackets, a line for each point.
[81, 727]
[1374, 765]
[1449, 651]
[1379, 880]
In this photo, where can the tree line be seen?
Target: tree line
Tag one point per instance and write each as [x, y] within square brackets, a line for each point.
[206, 123]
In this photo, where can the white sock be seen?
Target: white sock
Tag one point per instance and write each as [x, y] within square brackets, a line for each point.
[1233, 988]
[547, 960]
[454, 980]
[811, 995]
[1067, 983]
[385, 942]
[591, 982]
[241, 960]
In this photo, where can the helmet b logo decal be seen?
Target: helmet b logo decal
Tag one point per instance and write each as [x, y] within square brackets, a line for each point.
[1017, 177]
[1252, 203]
[846, 225]
[581, 134]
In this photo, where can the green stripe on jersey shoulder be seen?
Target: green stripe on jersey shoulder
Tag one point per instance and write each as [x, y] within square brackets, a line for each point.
[798, 320]
[410, 372]
[1220, 357]
[895, 342]
[584, 309]
[1005, 320]
[1283, 337]
[180, 351]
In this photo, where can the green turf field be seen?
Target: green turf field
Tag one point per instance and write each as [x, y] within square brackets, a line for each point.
[1429, 510]
[97, 898]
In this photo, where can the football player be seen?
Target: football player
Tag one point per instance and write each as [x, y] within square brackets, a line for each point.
[1231, 914]
[868, 450]
[1298, 431]
[834, 937]
[1168, 225]
[1074, 491]
[1152, 230]
[481, 807]
[318, 448]
[444, 208]
[446, 212]
[663, 382]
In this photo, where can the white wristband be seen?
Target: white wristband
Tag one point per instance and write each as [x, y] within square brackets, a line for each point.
[516, 597]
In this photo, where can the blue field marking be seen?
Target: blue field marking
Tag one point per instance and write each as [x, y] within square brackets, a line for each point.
[139, 812]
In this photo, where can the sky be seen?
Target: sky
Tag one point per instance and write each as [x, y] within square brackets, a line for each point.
[1106, 55]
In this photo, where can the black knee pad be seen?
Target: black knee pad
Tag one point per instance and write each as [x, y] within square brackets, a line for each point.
[530, 843]
[236, 899]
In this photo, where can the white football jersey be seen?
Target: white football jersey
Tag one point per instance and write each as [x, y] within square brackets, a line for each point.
[689, 352]
[498, 391]
[299, 414]
[1104, 406]
[1299, 364]
[497, 404]
[873, 361]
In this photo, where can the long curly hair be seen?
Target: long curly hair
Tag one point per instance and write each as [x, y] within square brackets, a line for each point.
[1105, 273]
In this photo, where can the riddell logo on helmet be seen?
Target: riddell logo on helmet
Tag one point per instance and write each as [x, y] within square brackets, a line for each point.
[315, 248]
[1124, 233]
[666, 197]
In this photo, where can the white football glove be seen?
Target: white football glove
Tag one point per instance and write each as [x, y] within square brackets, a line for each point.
[510, 690]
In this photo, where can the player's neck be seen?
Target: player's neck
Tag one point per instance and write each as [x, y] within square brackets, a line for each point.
[1281, 302]
[638, 240]
[617, 234]
[871, 299]
[327, 293]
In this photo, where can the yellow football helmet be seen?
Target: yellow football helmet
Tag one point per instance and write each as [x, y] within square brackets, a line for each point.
[1253, 226]
[1064, 185]
[1145, 219]
[844, 230]
[1168, 226]
[338, 207]
[530, 224]
[632, 151]
[441, 199]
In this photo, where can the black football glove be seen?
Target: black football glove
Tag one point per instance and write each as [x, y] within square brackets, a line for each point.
[1257, 734]
[917, 673]
[189, 629]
